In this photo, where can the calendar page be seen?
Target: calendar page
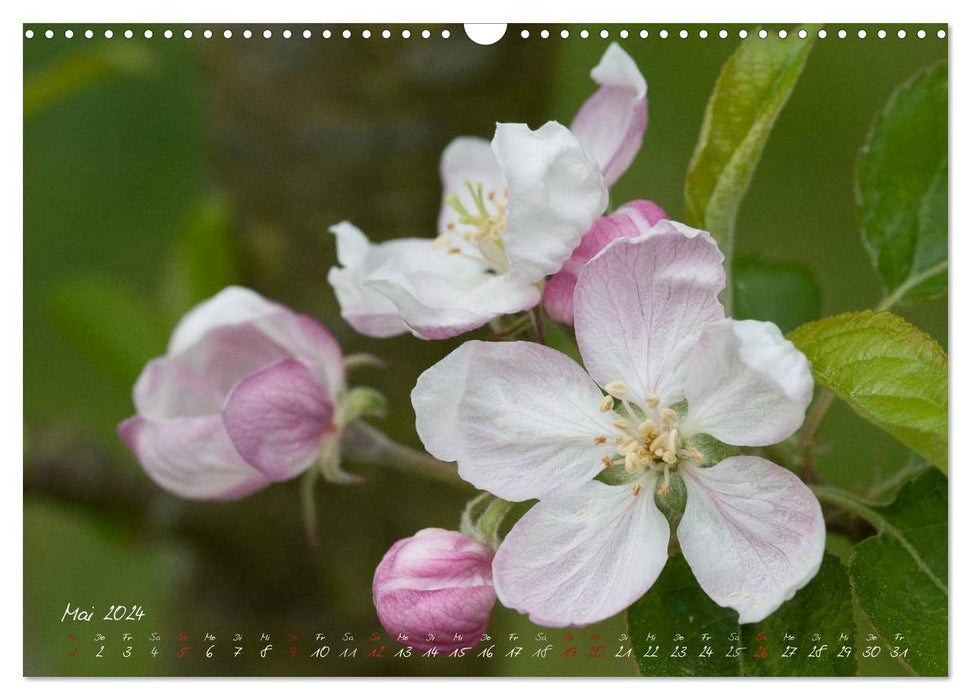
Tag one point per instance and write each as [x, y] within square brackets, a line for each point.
[507, 350]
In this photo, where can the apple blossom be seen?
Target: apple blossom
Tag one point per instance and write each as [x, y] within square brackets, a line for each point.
[513, 212]
[249, 393]
[435, 589]
[665, 372]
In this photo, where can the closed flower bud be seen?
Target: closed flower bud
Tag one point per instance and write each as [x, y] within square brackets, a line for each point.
[435, 588]
[245, 396]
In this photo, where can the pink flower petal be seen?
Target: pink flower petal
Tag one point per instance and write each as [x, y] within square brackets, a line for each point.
[583, 555]
[191, 457]
[276, 418]
[436, 589]
[641, 304]
[746, 384]
[556, 192]
[195, 381]
[519, 418]
[752, 533]
[630, 220]
[611, 123]
[297, 335]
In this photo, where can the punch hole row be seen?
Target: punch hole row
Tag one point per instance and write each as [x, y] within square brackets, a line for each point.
[723, 33]
[245, 34]
[446, 34]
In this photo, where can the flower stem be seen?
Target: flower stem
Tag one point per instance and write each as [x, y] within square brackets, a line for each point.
[364, 443]
[537, 316]
[491, 520]
[808, 441]
[309, 502]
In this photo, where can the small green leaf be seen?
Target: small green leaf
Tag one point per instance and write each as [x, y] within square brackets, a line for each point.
[888, 371]
[205, 257]
[785, 293]
[108, 323]
[78, 71]
[675, 604]
[900, 576]
[902, 189]
[751, 91]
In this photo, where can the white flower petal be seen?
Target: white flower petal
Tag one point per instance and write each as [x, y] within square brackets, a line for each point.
[231, 306]
[448, 302]
[368, 311]
[519, 418]
[582, 555]
[556, 192]
[746, 384]
[191, 457]
[467, 160]
[752, 533]
[641, 304]
[612, 122]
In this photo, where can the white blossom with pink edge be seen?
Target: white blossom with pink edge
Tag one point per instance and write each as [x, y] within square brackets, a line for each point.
[663, 366]
[435, 588]
[513, 212]
[248, 394]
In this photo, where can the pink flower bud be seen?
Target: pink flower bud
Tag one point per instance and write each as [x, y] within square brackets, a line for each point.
[244, 397]
[436, 589]
[628, 221]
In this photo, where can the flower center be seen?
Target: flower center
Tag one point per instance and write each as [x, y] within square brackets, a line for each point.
[647, 440]
[481, 227]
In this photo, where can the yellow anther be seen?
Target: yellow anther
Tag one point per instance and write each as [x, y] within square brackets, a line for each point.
[617, 389]
[669, 415]
[696, 455]
[600, 439]
[620, 424]
[453, 250]
[657, 444]
[626, 442]
[662, 490]
[450, 226]
[636, 489]
[606, 404]
[442, 240]
[652, 401]
[648, 428]
[669, 457]
[607, 461]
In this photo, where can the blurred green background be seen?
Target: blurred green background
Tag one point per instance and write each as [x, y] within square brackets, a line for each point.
[158, 170]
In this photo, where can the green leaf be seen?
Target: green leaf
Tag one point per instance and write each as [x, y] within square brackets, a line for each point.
[900, 575]
[751, 91]
[205, 257]
[888, 371]
[84, 69]
[902, 189]
[785, 293]
[108, 323]
[824, 607]
[676, 605]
